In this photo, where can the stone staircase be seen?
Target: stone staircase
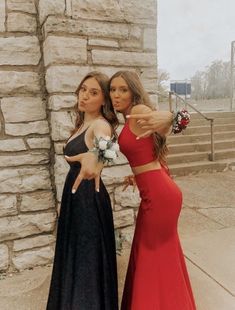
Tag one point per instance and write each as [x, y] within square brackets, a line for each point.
[190, 150]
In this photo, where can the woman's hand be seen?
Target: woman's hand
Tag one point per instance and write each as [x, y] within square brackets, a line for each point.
[154, 121]
[90, 169]
[129, 180]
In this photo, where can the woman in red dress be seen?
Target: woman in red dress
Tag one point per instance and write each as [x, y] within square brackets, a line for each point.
[157, 277]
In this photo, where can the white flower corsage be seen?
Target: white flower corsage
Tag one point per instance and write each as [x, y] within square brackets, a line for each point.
[105, 148]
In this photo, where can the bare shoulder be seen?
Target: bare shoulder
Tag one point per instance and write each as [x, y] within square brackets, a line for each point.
[140, 109]
[101, 125]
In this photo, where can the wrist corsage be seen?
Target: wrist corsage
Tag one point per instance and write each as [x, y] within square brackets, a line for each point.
[181, 120]
[105, 149]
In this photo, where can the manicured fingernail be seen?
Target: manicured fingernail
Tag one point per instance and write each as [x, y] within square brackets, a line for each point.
[97, 190]
[128, 116]
[137, 138]
[73, 191]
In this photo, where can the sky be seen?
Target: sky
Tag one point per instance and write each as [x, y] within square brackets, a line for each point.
[193, 33]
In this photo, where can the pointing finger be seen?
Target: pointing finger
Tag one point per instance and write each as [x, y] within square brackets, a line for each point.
[77, 183]
[97, 183]
[139, 116]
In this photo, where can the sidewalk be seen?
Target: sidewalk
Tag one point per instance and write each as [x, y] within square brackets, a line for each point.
[207, 231]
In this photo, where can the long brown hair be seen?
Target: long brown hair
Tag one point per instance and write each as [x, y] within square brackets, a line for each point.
[107, 110]
[140, 96]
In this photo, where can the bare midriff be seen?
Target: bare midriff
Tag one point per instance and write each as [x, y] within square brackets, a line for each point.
[153, 165]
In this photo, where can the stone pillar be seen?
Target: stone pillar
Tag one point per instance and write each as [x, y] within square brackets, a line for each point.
[27, 216]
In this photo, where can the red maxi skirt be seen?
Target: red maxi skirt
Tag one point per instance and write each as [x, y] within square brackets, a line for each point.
[157, 277]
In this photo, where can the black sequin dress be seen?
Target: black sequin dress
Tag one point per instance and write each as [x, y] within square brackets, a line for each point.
[84, 275]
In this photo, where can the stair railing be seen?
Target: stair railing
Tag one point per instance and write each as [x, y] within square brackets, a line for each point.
[210, 119]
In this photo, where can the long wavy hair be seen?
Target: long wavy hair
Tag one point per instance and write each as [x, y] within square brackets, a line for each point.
[140, 96]
[107, 110]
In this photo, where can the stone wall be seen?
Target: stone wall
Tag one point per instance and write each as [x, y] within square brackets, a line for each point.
[46, 47]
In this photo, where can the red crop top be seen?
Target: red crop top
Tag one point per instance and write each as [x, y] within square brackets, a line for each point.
[138, 152]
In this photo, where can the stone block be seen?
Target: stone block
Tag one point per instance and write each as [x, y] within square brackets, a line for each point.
[123, 218]
[150, 85]
[102, 42]
[108, 10]
[121, 159]
[27, 6]
[19, 51]
[138, 11]
[150, 38]
[135, 11]
[33, 242]
[30, 259]
[127, 235]
[20, 226]
[20, 22]
[39, 143]
[148, 73]
[64, 78]
[40, 127]
[61, 169]
[115, 174]
[11, 145]
[65, 50]
[37, 201]
[39, 158]
[62, 124]
[68, 10]
[93, 28]
[121, 58]
[2, 15]
[131, 44]
[50, 7]
[127, 198]
[4, 257]
[23, 109]
[59, 148]
[57, 102]
[8, 205]
[19, 82]
[23, 180]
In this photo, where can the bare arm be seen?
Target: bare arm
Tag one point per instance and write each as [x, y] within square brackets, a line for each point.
[90, 166]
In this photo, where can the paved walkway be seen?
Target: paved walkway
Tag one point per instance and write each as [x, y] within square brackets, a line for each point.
[207, 230]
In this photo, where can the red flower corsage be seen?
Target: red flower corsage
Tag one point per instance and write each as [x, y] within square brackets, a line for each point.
[181, 120]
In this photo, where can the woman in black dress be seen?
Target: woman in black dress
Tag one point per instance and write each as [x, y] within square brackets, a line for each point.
[84, 275]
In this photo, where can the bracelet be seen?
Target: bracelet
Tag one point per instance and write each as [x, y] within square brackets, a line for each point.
[105, 149]
[181, 120]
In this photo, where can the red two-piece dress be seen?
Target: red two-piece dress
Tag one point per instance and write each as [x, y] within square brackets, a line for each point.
[157, 277]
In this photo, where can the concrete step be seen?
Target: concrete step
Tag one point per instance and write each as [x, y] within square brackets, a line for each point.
[192, 130]
[184, 138]
[201, 146]
[199, 156]
[196, 167]
[218, 120]
[195, 115]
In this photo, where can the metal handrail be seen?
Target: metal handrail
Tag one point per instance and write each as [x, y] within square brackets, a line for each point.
[211, 119]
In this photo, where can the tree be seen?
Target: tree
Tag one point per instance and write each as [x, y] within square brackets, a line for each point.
[212, 83]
